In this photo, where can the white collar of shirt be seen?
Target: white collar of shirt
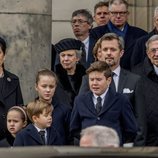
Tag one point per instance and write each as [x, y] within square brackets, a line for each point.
[86, 44]
[38, 129]
[117, 71]
[116, 77]
[102, 96]
[156, 69]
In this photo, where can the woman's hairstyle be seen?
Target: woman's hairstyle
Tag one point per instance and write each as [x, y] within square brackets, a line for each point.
[45, 72]
[95, 49]
[21, 110]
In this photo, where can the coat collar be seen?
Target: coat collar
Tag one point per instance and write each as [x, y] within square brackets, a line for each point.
[32, 132]
[148, 67]
[10, 83]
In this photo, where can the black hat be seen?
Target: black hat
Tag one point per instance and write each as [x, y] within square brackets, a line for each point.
[68, 44]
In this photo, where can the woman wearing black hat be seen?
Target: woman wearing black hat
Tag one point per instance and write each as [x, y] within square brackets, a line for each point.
[10, 92]
[69, 71]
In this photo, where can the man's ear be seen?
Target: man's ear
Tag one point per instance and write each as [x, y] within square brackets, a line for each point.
[121, 53]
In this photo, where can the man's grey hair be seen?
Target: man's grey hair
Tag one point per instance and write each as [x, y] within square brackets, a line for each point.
[151, 39]
[117, 2]
[84, 12]
[102, 136]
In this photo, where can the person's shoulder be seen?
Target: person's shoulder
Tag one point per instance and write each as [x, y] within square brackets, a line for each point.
[98, 31]
[11, 75]
[138, 69]
[83, 96]
[138, 30]
[62, 107]
[131, 75]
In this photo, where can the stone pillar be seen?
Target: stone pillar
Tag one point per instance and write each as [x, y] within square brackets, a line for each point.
[26, 26]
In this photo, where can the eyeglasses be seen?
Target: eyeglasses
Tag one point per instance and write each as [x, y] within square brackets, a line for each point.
[153, 50]
[79, 21]
[120, 13]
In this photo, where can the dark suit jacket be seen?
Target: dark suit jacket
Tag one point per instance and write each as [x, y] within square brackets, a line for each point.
[132, 34]
[146, 104]
[127, 81]
[139, 51]
[10, 95]
[29, 137]
[116, 113]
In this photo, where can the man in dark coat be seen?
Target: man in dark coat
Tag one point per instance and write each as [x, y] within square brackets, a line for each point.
[139, 51]
[103, 106]
[146, 96]
[118, 10]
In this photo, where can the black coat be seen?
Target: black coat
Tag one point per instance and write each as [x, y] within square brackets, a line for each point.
[8, 141]
[139, 51]
[10, 95]
[132, 34]
[29, 137]
[147, 104]
[65, 82]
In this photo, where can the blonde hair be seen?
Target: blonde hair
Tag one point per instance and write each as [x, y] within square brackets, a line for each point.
[36, 108]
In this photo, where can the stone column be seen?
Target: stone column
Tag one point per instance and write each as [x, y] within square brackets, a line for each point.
[26, 26]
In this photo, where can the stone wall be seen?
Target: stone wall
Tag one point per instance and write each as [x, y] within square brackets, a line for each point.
[26, 26]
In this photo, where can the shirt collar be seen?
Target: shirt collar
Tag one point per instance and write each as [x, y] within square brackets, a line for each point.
[102, 96]
[156, 69]
[117, 71]
[38, 129]
[86, 41]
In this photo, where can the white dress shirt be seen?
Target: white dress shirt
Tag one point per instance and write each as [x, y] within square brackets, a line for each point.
[102, 96]
[116, 77]
[86, 44]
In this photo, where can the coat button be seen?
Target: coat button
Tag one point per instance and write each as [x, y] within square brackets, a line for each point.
[98, 118]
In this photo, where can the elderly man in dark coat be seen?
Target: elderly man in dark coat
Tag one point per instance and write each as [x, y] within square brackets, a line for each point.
[146, 95]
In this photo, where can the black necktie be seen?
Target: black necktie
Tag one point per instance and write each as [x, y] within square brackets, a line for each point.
[112, 85]
[98, 105]
[42, 135]
[83, 56]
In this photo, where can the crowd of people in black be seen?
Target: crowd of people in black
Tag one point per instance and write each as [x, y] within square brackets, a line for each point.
[107, 76]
